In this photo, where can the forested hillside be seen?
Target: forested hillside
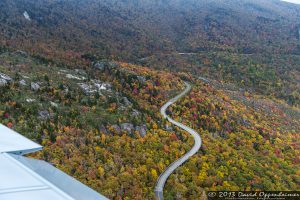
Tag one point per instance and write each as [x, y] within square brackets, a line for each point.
[273, 75]
[102, 126]
[136, 29]
[86, 79]
[243, 36]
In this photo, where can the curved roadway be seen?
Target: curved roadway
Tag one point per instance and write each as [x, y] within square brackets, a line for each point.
[170, 169]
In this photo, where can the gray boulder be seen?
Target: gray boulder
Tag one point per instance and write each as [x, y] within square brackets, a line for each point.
[22, 82]
[44, 114]
[101, 85]
[142, 130]
[99, 65]
[246, 122]
[53, 104]
[126, 102]
[65, 89]
[5, 77]
[81, 72]
[127, 127]
[141, 79]
[94, 87]
[35, 86]
[30, 100]
[102, 65]
[87, 89]
[20, 53]
[135, 113]
[3, 82]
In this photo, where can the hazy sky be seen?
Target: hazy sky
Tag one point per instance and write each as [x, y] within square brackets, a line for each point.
[293, 1]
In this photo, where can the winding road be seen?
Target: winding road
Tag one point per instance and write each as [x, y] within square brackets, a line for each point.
[170, 169]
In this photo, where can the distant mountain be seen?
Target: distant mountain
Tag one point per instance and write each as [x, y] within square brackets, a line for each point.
[131, 29]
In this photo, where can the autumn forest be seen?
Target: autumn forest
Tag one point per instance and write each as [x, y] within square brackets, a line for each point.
[86, 79]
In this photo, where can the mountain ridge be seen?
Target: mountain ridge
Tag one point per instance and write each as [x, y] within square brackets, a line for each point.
[134, 29]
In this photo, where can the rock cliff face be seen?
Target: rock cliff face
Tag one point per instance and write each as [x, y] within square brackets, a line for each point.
[142, 130]
[127, 127]
[130, 128]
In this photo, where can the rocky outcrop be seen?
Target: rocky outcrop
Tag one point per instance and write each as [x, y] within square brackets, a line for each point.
[53, 104]
[142, 130]
[87, 89]
[99, 66]
[103, 65]
[35, 86]
[4, 79]
[95, 87]
[126, 102]
[22, 82]
[20, 53]
[44, 114]
[116, 128]
[3, 82]
[141, 79]
[64, 88]
[101, 86]
[30, 100]
[26, 15]
[75, 77]
[135, 113]
[127, 127]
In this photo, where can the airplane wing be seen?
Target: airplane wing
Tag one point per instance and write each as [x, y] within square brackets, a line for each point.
[23, 178]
